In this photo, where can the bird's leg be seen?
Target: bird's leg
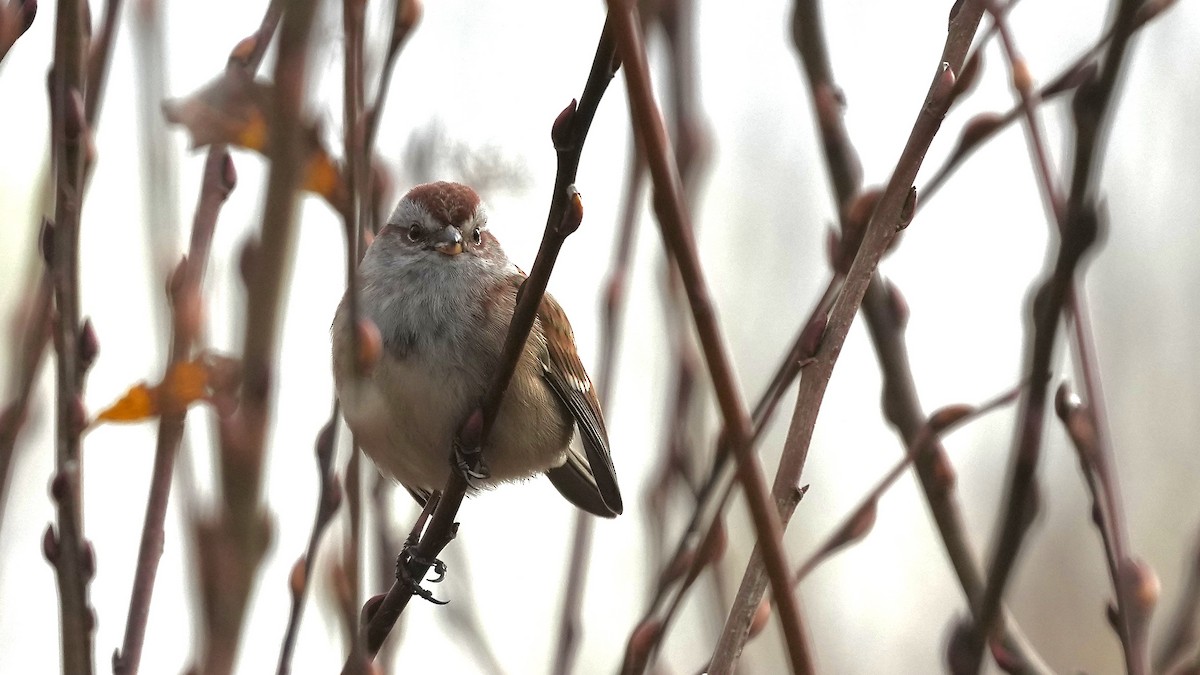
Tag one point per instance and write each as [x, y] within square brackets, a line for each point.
[405, 577]
[468, 451]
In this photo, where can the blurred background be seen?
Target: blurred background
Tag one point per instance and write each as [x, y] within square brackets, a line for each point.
[484, 81]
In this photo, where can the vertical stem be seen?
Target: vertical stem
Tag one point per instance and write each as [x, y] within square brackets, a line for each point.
[71, 555]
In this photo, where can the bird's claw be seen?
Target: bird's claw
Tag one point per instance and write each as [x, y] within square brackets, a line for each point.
[402, 573]
[470, 463]
[427, 595]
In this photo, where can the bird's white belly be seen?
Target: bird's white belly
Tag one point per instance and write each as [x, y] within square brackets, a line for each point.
[405, 416]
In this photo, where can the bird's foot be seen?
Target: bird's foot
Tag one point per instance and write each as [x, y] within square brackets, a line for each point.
[409, 554]
[468, 450]
[470, 463]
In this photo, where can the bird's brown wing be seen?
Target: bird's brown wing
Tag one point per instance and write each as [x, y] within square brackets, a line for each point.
[587, 480]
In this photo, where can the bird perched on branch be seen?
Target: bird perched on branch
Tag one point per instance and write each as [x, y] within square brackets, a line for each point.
[441, 292]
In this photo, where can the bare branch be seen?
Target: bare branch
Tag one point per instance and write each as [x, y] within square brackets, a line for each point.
[66, 548]
[895, 207]
[566, 212]
[1082, 219]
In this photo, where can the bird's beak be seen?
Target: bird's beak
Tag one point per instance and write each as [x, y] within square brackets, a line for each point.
[448, 241]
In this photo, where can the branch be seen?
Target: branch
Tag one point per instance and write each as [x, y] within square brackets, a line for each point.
[68, 551]
[16, 16]
[328, 500]
[566, 212]
[32, 328]
[675, 226]
[186, 312]
[232, 542]
[219, 180]
[1081, 224]
[892, 213]
[884, 309]
[1183, 633]
[694, 549]
[354, 217]
[99, 59]
[570, 623]
[858, 524]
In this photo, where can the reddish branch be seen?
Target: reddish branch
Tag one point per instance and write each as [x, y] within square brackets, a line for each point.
[894, 209]
[566, 212]
[16, 16]
[232, 542]
[677, 233]
[354, 218]
[859, 523]
[218, 181]
[884, 308]
[1182, 637]
[1082, 219]
[328, 500]
[694, 550]
[1087, 423]
[616, 291]
[184, 290]
[65, 546]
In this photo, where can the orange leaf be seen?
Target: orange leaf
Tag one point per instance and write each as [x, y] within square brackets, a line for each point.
[236, 109]
[139, 403]
[184, 384]
[323, 177]
[230, 109]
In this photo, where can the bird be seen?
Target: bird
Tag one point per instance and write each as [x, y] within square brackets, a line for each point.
[439, 288]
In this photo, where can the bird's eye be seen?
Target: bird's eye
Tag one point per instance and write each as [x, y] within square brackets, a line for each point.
[414, 232]
[477, 237]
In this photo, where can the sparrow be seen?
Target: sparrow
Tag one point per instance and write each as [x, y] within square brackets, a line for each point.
[441, 291]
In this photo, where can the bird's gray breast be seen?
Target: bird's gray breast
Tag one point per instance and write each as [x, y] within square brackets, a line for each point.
[431, 311]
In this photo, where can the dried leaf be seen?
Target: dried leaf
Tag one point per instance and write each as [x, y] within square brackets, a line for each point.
[231, 109]
[235, 109]
[183, 385]
[137, 404]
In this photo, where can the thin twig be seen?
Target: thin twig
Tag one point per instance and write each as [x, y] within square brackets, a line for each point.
[675, 226]
[328, 499]
[1182, 636]
[357, 163]
[894, 209]
[1095, 452]
[65, 547]
[99, 58]
[16, 16]
[32, 325]
[1081, 223]
[232, 543]
[616, 291]
[885, 311]
[687, 561]
[219, 179]
[860, 521]
[566, 212]
[184, 288]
